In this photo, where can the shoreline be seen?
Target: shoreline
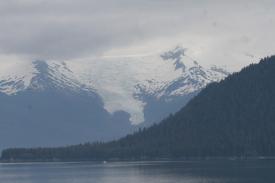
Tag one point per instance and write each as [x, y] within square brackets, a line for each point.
[140, 160]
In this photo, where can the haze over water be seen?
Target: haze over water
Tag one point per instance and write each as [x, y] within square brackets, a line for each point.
[222, 171]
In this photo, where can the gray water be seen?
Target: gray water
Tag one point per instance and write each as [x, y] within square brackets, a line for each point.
[222, 171]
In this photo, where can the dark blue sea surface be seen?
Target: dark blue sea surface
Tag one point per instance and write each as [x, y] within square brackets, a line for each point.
[207, 171]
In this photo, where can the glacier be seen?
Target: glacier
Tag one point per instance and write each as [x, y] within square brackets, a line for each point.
[120, 81]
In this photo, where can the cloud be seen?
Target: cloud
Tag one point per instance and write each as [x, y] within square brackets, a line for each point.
[67, 29]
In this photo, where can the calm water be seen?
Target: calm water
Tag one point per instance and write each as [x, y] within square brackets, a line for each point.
[260, 171]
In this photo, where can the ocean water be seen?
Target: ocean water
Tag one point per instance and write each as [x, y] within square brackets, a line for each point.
[210, 171]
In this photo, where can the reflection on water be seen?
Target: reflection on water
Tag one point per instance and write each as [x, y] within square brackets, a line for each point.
[223, 171]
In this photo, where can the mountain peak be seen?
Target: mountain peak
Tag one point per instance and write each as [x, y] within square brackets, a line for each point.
[123, 84]
[179, 58]
[174, 53]
[40, 65]
[54, 75]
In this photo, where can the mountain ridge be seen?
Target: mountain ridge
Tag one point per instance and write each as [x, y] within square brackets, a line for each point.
[92, 100]
[175, 75]
[232, 118]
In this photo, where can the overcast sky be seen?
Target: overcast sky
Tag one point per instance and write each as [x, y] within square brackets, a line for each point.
[231, 33]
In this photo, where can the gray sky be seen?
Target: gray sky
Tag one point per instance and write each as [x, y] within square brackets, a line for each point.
[213, 32]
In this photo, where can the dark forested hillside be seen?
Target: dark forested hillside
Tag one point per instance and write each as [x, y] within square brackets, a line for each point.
[235, 117]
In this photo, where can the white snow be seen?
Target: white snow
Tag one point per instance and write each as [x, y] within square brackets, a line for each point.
[118, 80]
[17, 72]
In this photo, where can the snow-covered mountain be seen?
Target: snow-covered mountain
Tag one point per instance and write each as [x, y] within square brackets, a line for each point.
[122, 82]
[95, 98]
